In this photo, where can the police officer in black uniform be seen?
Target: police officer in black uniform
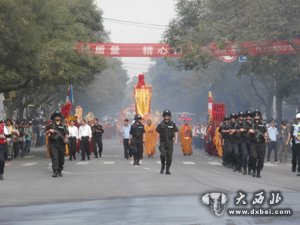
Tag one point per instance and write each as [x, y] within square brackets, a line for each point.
[227, 146]
[136, 139]
[58, 133]
[232, 139]
[97, 131]
[248, 125]
[167, 130]
[258, 139]
[240, 148]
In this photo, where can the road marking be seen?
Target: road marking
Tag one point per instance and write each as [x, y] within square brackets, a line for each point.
[29, 164]
[145, 168]
[7, 164]
[215, 163]
[269, 164]
[158, 162]
[28, 156]
[189, 163]
[109, 162]
[82, 163]
[66, 172]
[116, 156]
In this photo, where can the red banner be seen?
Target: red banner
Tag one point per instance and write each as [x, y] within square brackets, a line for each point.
[127, 49]
[231, 49]
[277, 47]
[218, 112]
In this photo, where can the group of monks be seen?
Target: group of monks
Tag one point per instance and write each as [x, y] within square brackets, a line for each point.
[185, 138]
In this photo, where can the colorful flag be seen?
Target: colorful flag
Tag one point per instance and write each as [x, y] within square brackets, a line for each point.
[70, 94]
[210, 103]
[67, 107]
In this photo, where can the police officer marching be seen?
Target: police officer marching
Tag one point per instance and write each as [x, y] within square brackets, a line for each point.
[58, 134]
[258, 137]
[227, 146]
[167, 131]
[136, 139]
[97, 131]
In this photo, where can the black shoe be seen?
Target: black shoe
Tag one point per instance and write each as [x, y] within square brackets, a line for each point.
[1, 177]
[294, 170]
[89, 158]
[100, 155]
[55, 174]
[249, 172]
[240, 170]
[138, 164]
[258, 174]
[168, 172]
[298, 175]
[253, 174]
[96, 156]
[235, 169]
[162, 170]
[60, 174]
[245, 172]
[134, 163]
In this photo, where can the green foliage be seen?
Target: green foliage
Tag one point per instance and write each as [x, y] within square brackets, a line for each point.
[106, 93]
[200, 22]
[37, 39]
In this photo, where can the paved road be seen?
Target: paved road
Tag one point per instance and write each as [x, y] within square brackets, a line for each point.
[112, 191]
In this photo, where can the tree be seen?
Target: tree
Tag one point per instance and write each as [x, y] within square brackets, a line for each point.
[200, 22]
[106, 93]
[37, 41]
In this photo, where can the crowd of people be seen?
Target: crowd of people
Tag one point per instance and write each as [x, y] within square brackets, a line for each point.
[21, 136]
[245, 140]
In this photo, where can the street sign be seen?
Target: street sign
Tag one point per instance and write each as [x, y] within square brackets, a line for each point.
[243, 58]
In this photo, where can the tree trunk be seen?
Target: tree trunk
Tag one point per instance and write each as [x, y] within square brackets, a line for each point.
[21, 112]
[279, 107]
[268, 106]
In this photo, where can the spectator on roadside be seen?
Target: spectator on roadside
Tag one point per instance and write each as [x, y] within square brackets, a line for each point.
[272, 145]
[284, 144]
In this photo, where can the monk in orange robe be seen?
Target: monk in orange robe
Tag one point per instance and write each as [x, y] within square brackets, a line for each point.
[185, 135]
[218, 142]
[150, 139]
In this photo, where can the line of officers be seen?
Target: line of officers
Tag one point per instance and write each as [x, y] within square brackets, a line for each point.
[245, 137]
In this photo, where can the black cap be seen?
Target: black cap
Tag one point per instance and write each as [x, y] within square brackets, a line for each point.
[248, 113]
[256, 113]
[240, 114]
[167, 113]
[227, 117]
[233, 115]
[137, 117]
[57, 113]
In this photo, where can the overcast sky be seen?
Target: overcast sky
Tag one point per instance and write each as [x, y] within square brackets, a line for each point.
[158, 12]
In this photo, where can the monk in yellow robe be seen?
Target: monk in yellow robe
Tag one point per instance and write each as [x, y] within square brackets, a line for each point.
[150, 139]
[218, 142]
[185, 135]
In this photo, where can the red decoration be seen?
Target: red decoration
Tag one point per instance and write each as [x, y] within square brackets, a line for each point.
[141, 81]
[66, 109]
